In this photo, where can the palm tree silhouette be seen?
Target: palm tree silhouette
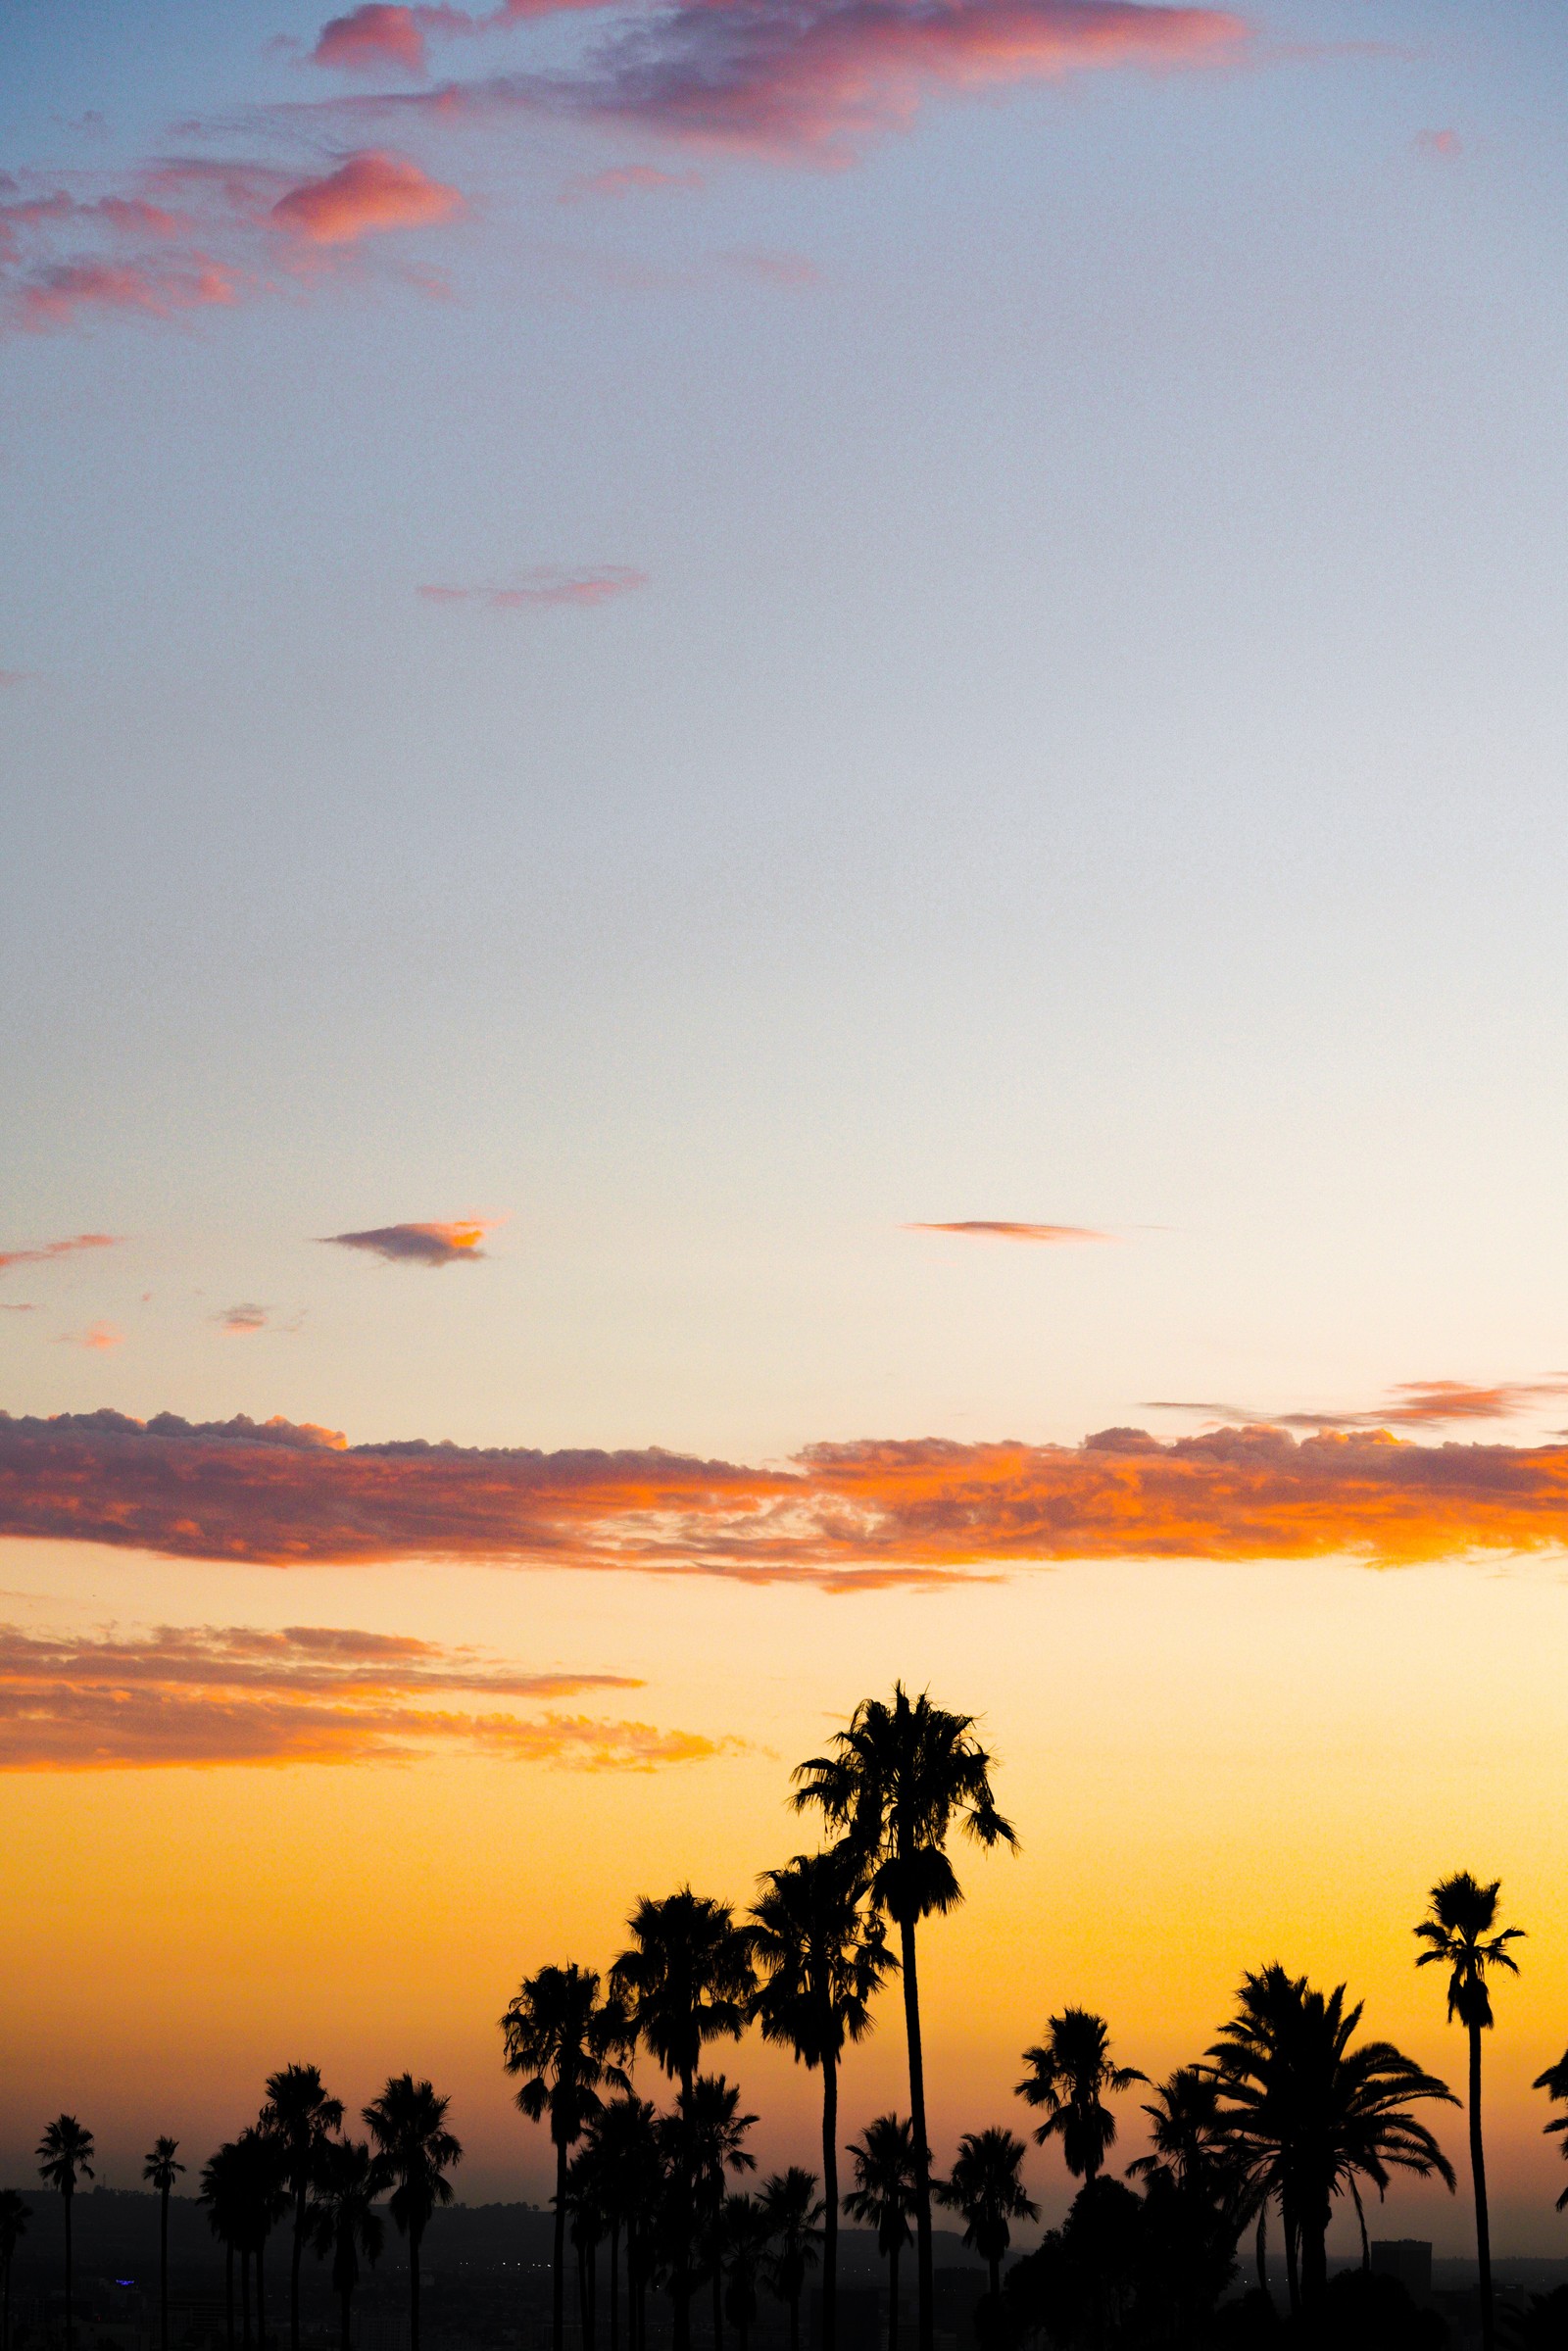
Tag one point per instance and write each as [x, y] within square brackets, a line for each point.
[900, 1779]
[264, 2197]
[220, 2193]
[883, 2197]
[1458, 1931]
[160, 2170]
[626, 2181]
[15, 2214]
[821, 1956]
[1310, 2115]
[303, 2119]
[65, 2151]
[712, 2132]
[560, 2035]
[985, 2185]
[341, 2221]
[1197, 2184]
[686, 1980]
[590, 2224]
[1070, 2075]
[792, 2213]
[409, 2125]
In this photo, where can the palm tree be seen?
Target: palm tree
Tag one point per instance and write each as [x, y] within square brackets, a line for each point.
[65, 2151]
[409, 2125]
[1198, 2196]
[590, 2224]
[263, 2199]
[15, 2214]
[160, 2170]
[883, 2197]
[900, 1779]
[1072, 2075]
[686, 1980]
[626, 2174]
[342, 2220]
[986, 2187]
[1458, 1931]
[740, 2250]
[792, 2211]
[711, 2135]
[559, 2036]
[303, 2119]
[821, 1956]
[1309, 2115]
[219, 2192]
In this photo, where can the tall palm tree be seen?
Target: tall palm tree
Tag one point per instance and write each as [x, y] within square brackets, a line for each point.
[65, 2153]
[887, 2180]
[986, 2186]
[160, 2170]
[712, 2132]
[263, 2195]
[342, 2220]
[1072, 2075]
[1554, 2081]
[740, 2252]
[409, 2125]
[686, 1979]
[220, 2193]
[792, 2214]
[1198, 2188]
[304, 2119]
[627, 2171]
[1459, 1933]
[820, 1955]
[897, 1782]
[561, 2035]
[15, 2214]
[1310, 2115]
[590, 2226]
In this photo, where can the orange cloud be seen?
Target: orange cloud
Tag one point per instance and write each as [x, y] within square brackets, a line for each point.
[242, 1319]
[845, 1515]
[547, 584]
[1412, 1403]
[99, 1336]
[58, 296]
[50, 1249]
[373, 39]
[989, 1229]
[367, 195]
[420, 1244]
[308, 1695]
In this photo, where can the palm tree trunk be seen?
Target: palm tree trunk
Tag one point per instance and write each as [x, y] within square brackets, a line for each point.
[585, 2322]
[294, 2268]
[69, 2315]
[893, 2298]
[925, 2297]
[245, 2292]
[413, 2288]
[1477, 2176]
[795, 2320]
[229, 2294]
[830, 2184]
[5, 2311]
[1293, 2272]
[558, 2306]
[681, 2282]
[615, 2284]
[995, 2267]
[261, 2291]
[163, 2271]
[1262, 2247]
[345, 2331]
[719, 2288]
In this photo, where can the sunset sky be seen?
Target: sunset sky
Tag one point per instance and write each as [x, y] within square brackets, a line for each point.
[782, 886]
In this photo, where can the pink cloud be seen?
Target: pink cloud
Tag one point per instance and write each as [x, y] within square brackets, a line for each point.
[549, 584]
[58, 296]
[367, 195]
[773, 268]
[98, 1337]
[373, 39]
[421, 1243]
[51, 1249]
[627, 180]
[983, 1227]
[242, 1320]
[1439, 142]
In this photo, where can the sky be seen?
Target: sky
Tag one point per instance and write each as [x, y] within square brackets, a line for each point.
[783, 854]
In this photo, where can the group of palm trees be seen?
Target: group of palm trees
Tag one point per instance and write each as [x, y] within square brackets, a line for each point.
[1284, 2111]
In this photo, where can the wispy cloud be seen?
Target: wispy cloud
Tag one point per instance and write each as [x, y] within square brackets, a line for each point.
[983, 1227]
[629, 179]
[98, 1337]
[849, 1516]
[420, 1244]
[308, 1695]
[242, 1319]
[47, 1251]
[1445, 143]
[1412, 1403]
[546, 584]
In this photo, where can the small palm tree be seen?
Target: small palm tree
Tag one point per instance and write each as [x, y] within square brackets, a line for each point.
[740, 2252]
[342, 2221]
[1072, 2075]
[65, 2154]
[303, 2119]
[710, 2135]
[15, 2214]
[793, 2214]
[560, 2035]
[821, 1956]
[884, 2196]
[263, 2187]
[986, 2186]
[590, 2226]
[686, 1979]
[408, 2124]
[626, 2180]
[1459, 1933]
[160, 2170]
[900, 1779]
[219, 2192]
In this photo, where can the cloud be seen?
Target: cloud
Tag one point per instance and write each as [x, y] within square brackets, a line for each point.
[15, 677]
[1439, 142]
[98, 1337]
[307, 1694]
[1414, 1403]
[851, 1515]
[241, 1319]
[773, 268]
[51, 1249]
[58, 296]
[420, 1244]
[989, 1228]
[547, 584]
[375, 39]
[629, 180]
[369, 194]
